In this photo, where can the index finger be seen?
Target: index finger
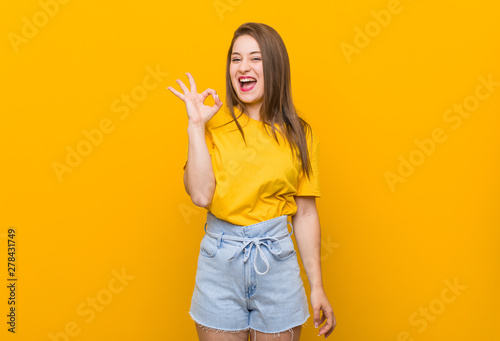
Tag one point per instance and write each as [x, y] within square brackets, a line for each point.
[330, 321]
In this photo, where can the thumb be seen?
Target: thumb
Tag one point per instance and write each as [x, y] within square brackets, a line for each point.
[316, 320]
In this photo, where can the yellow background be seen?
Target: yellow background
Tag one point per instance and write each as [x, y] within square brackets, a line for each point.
[387, 251]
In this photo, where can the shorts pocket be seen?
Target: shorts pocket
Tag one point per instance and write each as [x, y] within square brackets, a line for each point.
[287, 249]
[208, 246]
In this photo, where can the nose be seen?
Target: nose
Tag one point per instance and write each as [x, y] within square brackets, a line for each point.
[244, 65]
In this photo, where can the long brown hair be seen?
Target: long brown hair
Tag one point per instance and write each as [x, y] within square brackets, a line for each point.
[277, 106]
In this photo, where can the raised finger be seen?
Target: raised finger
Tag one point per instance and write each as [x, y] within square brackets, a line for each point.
[175, 92]
[191, 82]
[183, 87]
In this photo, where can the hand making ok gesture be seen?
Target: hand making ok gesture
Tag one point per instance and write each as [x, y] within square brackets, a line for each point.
[198, 113]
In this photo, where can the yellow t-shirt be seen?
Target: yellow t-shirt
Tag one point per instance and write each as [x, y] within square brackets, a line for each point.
[257, 181]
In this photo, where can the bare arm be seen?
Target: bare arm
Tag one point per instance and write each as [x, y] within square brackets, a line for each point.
[307, 232]
[199, 179]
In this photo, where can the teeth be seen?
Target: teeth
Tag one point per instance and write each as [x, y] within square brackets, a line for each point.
[247, 80]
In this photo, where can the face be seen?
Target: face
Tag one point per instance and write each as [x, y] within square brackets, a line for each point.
[246, 63]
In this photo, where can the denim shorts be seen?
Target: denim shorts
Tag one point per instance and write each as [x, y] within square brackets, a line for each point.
[248, 277]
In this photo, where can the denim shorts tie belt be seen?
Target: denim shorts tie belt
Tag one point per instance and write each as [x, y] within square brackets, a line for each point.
[248, 243]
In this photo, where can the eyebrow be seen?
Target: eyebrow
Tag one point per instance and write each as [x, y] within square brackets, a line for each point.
[250, 52]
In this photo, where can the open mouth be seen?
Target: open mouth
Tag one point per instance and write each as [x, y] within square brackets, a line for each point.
[247, 83]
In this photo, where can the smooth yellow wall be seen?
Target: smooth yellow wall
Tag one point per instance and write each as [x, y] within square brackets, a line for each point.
[395, 236]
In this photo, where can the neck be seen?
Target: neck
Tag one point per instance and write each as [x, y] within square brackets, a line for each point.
[253, 111]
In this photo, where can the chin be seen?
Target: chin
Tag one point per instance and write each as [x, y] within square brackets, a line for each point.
[250, 101]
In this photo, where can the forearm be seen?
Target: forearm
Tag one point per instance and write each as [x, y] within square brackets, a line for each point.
[307, 230]
[199, 179]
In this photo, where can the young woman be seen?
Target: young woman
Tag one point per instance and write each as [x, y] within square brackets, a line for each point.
[252, 165]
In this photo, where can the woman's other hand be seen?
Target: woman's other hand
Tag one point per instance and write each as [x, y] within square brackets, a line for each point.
[319, 301]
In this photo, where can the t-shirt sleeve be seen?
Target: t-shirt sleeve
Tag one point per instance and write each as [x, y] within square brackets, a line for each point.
[310, 186]
[210, 145]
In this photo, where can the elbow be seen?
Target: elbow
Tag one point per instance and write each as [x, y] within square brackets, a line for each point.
[201, 200]
[200, 195]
